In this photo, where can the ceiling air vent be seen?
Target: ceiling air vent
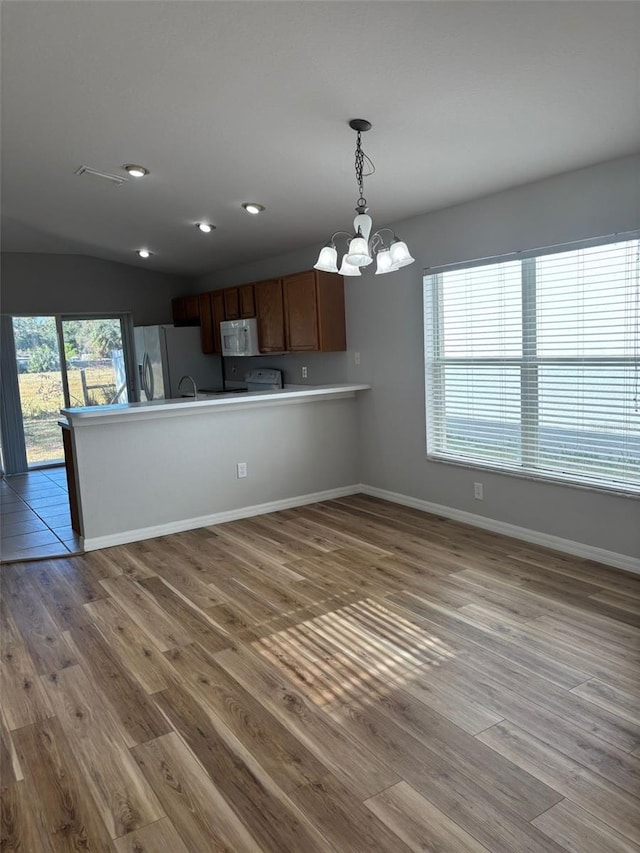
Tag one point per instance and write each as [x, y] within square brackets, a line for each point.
[96, 175]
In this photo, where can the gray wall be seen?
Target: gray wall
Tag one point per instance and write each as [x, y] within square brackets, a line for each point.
[292, 449]
[384, 324]
[76, 284]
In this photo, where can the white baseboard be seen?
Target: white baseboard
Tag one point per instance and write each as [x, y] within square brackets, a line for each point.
[97, 542]
[557, 543]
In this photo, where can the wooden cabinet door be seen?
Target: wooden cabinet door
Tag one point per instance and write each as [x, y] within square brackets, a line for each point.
[231, 304]
[186, 310]
[178, 310]
[247, 301]
[301, 311]
[192, 310]
[217, 311]
[332, 333]
[206, 323]
[270, 313]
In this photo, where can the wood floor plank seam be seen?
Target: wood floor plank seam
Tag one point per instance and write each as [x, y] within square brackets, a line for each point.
[576, 829]
[624, 774]
[351, 676]
[604, 800]
[152, 823]
[453, 623]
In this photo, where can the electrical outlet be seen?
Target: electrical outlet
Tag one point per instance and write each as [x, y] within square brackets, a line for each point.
[478, 491]
[356, 358]
[241, 470]
[304, 372]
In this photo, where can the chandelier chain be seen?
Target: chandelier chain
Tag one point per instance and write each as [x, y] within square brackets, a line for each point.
[360, 156]
[363, 247]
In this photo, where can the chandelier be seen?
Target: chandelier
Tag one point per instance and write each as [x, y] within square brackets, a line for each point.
[362, 248]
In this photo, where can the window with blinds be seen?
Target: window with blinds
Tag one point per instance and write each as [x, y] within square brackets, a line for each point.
[532, 365]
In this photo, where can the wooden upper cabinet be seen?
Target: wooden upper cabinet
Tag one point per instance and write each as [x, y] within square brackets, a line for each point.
[217, 310]
[298, 313]
[314, 312]
[247, 301]
[186, 310]
[211, 315]
[178, 310]
[301, 311]
[270, 313]
[192, 309]
[231, 304]
[206, 323]
[332, 328]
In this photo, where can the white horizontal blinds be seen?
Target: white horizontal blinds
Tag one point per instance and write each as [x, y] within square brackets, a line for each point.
[482, 311]
[588, 346]
[533, 365]
[475, 396]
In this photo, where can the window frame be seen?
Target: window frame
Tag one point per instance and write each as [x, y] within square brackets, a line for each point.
[528, 362]
[13, 452]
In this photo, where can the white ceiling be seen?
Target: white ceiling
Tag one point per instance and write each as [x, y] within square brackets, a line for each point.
[228, 102]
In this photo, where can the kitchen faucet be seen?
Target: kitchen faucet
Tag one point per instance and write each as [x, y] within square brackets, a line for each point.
[193, 382]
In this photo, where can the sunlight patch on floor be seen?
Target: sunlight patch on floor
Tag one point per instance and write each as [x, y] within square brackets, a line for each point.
[356, 652]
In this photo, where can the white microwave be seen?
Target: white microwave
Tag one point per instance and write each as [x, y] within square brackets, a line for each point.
[239, 337]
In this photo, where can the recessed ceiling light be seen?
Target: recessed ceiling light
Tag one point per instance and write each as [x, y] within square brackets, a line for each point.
[253, 207]
[206, 227]
[144, 253]
[135, 171]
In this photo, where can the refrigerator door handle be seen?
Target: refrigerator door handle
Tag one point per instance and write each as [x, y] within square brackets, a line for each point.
[151, 380]
[143, 376]
[148, 377]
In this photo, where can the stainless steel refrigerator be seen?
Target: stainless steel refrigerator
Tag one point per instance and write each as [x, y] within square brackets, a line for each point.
[164, 354]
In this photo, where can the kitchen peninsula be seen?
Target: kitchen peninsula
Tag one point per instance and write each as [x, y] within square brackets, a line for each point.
[148, 469]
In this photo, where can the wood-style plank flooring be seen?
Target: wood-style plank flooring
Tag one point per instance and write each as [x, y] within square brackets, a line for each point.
[347, 676]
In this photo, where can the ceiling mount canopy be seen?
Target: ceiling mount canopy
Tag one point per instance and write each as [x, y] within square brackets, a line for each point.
[390, 254]
[360, 124]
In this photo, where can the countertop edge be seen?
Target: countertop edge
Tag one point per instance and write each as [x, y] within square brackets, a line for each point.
[129, 412]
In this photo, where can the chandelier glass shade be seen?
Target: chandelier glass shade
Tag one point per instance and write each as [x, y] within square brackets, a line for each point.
[362, 248]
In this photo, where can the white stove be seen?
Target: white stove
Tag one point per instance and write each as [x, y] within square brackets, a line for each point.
[263, 379]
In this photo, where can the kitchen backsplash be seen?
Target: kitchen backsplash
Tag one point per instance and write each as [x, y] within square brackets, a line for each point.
[322, 368]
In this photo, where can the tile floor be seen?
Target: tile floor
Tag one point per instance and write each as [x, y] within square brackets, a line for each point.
[35, 515]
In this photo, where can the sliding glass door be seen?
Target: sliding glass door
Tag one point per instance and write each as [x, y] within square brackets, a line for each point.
[95, 372]
[61, 361]
[40, 385]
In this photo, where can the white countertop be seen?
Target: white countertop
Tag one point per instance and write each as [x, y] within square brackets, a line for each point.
[205, 404]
